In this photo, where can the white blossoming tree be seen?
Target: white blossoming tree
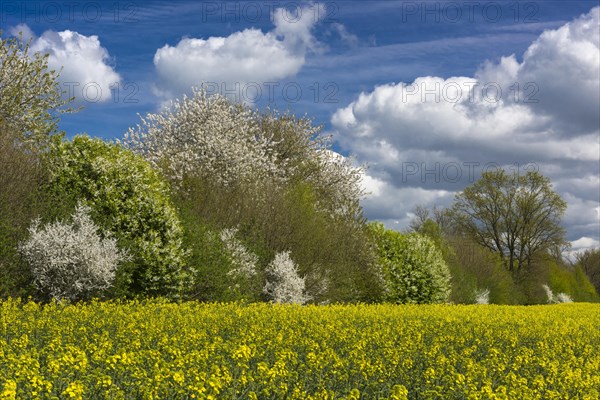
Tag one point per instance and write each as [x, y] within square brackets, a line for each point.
[273, 175]
[204, 135]
[284, 285]
[243, 261]
[31, 94]
[73, 260]
[229, 143]
[558, 298]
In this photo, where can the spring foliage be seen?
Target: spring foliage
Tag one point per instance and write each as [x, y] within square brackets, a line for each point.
[31, 95]
[127, 197]
[71, 260]
[414, 269]
[208, 136]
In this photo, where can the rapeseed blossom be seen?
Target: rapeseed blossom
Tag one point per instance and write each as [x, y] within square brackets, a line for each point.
[160, 350]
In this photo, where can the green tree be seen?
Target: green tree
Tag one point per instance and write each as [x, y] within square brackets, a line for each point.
[30, 96]
[128, 198]
[516, 216]
[413, 267]
[589, 262]
[22, 198]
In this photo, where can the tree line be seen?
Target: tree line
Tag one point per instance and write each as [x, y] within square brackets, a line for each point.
[213, 201]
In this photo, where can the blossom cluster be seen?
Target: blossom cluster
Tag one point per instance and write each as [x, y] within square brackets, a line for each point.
[71, 260]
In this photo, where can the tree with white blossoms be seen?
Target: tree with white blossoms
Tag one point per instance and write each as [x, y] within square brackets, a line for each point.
[273, 175]
[284, 285]
[209, 136]
[71, 261]
[242, 264]
[31, 94]
[204, 135]
[304, 154]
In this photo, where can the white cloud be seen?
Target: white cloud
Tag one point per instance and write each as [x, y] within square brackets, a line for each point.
[347, 37]
[83, 60]
[245, 57]
[23, 30]
[435, 135]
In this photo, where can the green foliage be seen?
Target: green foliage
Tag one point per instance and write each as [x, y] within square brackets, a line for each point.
[414, 269]
[516, 216]
[474, 268]
[23, 197]
[572, 281]
[128, 198]
[332, 254]
[589, 262]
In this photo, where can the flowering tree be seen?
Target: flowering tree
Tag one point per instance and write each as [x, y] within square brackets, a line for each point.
[128, 198]
[31, 95]
[284, 285]
[304, 154]
[71, 260]
[274, 175]
[208, 135]
[204, 135]
[414, 268]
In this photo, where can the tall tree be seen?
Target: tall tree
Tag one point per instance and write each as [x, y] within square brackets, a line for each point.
[514, 215]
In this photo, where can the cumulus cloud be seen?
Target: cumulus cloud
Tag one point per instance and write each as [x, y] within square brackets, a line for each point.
[84, 62]
[249, 56]
[428, 139]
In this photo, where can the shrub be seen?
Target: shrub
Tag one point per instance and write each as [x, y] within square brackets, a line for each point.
[284, 285]
[482, 296]
[559, 298]
[71, 260]
[414, 268]
[127, 197]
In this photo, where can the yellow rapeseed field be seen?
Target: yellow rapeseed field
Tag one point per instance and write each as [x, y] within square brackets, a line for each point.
[159, 350]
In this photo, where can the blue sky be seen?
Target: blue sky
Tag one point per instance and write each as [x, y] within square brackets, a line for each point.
[357, 65]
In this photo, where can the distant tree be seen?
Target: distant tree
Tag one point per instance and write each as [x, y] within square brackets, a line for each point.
[31, 94]
[589, 261]
[517, 216]
[425, 219]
